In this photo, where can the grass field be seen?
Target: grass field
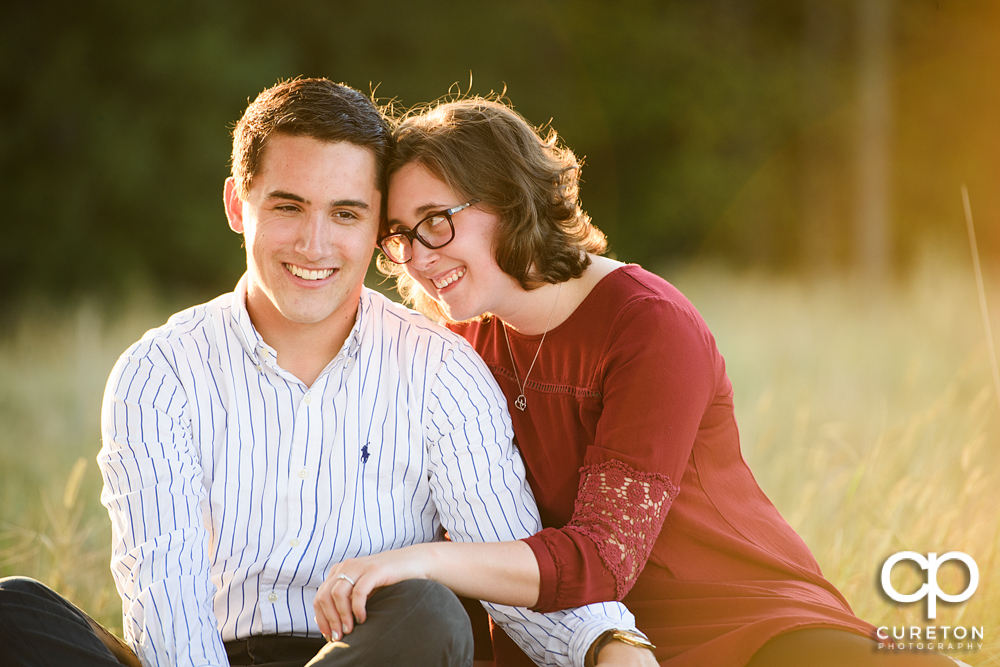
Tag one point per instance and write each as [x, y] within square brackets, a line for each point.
[868, 416]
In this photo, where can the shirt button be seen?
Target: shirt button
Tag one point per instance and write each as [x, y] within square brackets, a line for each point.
[273, 597]
[308, 399]
[259, 369]
[293, 543]
[303, 473]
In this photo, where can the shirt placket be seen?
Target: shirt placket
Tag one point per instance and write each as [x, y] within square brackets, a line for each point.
[303, 480]
[300, 486]
[300, 489]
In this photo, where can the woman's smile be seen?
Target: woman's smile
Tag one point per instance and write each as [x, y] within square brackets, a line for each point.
[449, 278]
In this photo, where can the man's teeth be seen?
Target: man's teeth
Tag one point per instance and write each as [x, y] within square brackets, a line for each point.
[441, 283]
[309, 274]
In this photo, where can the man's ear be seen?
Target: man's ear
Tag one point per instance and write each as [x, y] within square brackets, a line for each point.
[234, 206]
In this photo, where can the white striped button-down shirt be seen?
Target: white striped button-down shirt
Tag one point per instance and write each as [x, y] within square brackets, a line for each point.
[233, 487]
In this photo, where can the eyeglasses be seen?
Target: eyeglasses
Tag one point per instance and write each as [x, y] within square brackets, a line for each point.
[435, 231]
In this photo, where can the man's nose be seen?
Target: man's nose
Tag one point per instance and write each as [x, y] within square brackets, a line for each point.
[315, 236]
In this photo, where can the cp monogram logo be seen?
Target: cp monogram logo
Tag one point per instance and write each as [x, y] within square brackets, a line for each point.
[930, 590]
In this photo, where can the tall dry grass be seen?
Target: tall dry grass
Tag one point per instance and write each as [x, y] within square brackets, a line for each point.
[53, 367]
[868, 416]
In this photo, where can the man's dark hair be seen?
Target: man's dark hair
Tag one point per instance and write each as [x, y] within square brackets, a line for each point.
[316, 108]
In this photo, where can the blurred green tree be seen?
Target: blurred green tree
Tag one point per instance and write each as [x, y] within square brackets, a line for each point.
[708, 127]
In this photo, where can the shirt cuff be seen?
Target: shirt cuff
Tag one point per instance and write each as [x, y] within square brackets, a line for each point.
[587, 634]
[548, 573]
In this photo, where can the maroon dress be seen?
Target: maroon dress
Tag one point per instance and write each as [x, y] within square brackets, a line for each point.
[632, 451]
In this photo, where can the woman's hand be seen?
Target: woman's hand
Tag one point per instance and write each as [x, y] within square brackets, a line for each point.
[339, 602]
[501, 572]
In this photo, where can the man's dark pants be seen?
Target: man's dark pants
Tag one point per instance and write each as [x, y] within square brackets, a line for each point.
[414, 622]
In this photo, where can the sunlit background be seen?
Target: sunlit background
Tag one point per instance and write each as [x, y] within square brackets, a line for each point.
[794, 166]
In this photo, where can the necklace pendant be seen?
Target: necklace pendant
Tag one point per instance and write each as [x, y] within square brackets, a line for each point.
[521, 403]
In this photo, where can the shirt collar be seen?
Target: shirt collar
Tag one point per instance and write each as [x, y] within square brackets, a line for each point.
[262, 353]
[245, 332]
[353, 342]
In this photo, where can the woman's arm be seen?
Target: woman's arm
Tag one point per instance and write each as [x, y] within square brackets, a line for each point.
[501, 572]
[659, 376]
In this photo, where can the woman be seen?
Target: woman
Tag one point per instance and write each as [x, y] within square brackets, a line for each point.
[621, 407]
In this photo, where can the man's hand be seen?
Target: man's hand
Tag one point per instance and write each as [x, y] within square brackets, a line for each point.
[619, 653]
[341, 599]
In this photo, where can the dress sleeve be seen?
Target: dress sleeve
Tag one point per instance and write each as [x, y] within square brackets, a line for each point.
[480, 490]
[658, 376]
[154, 493]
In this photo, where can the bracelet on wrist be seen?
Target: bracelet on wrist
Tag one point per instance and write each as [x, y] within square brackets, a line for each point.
[625, 636]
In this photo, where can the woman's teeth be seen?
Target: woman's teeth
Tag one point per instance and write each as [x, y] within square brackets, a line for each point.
[441, 283]
[309, 274]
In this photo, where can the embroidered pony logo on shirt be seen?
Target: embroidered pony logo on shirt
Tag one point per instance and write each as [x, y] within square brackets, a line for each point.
[364, 454]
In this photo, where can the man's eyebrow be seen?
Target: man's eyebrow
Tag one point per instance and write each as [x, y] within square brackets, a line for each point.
[355, 203]
[281, 194]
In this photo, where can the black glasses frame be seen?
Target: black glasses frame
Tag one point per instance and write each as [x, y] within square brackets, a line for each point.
[413, 233]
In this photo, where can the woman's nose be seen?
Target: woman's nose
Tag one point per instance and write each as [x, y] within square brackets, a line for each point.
[421, 257]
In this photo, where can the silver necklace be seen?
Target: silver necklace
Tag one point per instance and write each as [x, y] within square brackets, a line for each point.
[521, 401]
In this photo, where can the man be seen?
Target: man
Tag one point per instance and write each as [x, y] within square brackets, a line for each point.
[256, 440]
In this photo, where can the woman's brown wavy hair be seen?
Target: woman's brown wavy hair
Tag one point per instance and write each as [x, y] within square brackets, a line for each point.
[481, 148]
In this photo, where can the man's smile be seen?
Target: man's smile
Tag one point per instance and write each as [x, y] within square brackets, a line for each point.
[309, 274]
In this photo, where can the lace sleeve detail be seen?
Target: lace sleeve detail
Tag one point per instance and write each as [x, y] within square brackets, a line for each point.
[622, 510]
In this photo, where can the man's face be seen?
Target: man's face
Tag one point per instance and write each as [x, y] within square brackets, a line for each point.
[309, 225]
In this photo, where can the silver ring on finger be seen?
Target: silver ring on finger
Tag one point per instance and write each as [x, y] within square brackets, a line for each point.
[346, 578]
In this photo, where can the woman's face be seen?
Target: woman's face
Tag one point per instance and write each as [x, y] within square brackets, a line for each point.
[462, 276]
